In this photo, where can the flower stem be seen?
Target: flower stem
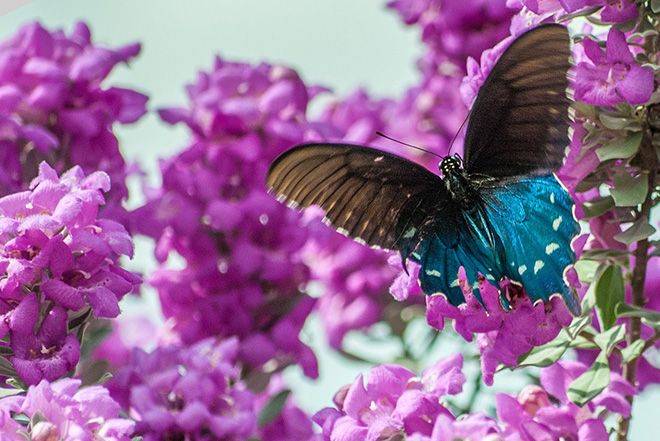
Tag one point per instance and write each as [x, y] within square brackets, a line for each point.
[648, 158]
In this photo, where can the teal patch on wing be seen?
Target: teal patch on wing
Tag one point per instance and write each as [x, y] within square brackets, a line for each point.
[441, 257]
[534, 219]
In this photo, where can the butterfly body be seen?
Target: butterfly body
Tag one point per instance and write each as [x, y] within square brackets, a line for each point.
[499, 212]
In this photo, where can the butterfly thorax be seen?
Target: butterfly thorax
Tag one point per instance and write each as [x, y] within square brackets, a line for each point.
[457, 181]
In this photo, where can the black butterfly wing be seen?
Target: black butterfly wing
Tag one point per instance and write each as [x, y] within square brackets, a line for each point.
[519, 121]
[370, 195]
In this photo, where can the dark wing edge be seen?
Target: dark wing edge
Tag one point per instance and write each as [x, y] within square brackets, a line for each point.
[372, 196]
[519, 121]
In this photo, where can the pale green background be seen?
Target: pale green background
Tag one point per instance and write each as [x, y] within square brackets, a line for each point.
[339, 43]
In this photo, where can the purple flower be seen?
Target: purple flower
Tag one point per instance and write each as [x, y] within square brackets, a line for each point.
[51, 353]
[52, 244]
[243, 249]
[186, 391]
[54, 107]
[532, 416]
[455, 30]
[614, 76]
[392, 400]
[502, 336]
[613, 11]
[354, 280]
[63, 410]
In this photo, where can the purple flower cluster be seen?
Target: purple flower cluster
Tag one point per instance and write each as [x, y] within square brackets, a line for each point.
[354, 280]
[502, 336]
[53, 106]
[612, 11]
[196, 392]
[55, 257]
[455, 29]
[63, 410]
[614, 77]
[186, 391]
[532, 416]
[392, 401]
[244, 272]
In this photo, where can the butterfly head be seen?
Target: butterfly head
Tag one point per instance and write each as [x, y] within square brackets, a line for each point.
[451, 164]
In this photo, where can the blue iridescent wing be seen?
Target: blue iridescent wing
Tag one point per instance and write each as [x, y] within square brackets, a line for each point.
[467, 241]
[522, 230]
[534, 218]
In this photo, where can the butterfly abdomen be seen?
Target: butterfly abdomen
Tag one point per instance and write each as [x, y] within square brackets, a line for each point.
[461, 189]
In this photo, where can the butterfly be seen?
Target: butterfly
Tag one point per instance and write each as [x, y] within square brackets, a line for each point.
[499, 211]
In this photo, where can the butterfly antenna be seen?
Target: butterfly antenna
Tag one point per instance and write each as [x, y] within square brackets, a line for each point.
[457, 132]
[408, 145]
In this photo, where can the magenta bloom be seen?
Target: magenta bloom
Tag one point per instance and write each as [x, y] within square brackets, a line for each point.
[455, 29]
[614, 76]
[51, 353]
[54, 107]
[244, 271]
[52, 244]
[532, 416]
[354, 281]
[392, 400]
[613, 11]
[63, 410]
[502, 336]
[186, 391]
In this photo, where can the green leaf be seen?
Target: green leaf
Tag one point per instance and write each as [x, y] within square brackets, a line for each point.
[608, 339]
[621, 148]
[639, 230]
[609, 291]
[585, 387]
[578, 324]
[629, 191]
[614, 122]
[598, 206]
[586, 270]
[548, 353]
[273, 409]
[583, 343]
[633, 351]
[600, 255]
[6, 368]
[589, 300]
[624, 310]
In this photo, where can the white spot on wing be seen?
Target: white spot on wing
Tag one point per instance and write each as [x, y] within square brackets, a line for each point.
[552, 198]
[538, 265]
[551, 248]
[380, 158]
[556, 223]
[454, 284]
[434, 273]
[522, 269]
[410, 233]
